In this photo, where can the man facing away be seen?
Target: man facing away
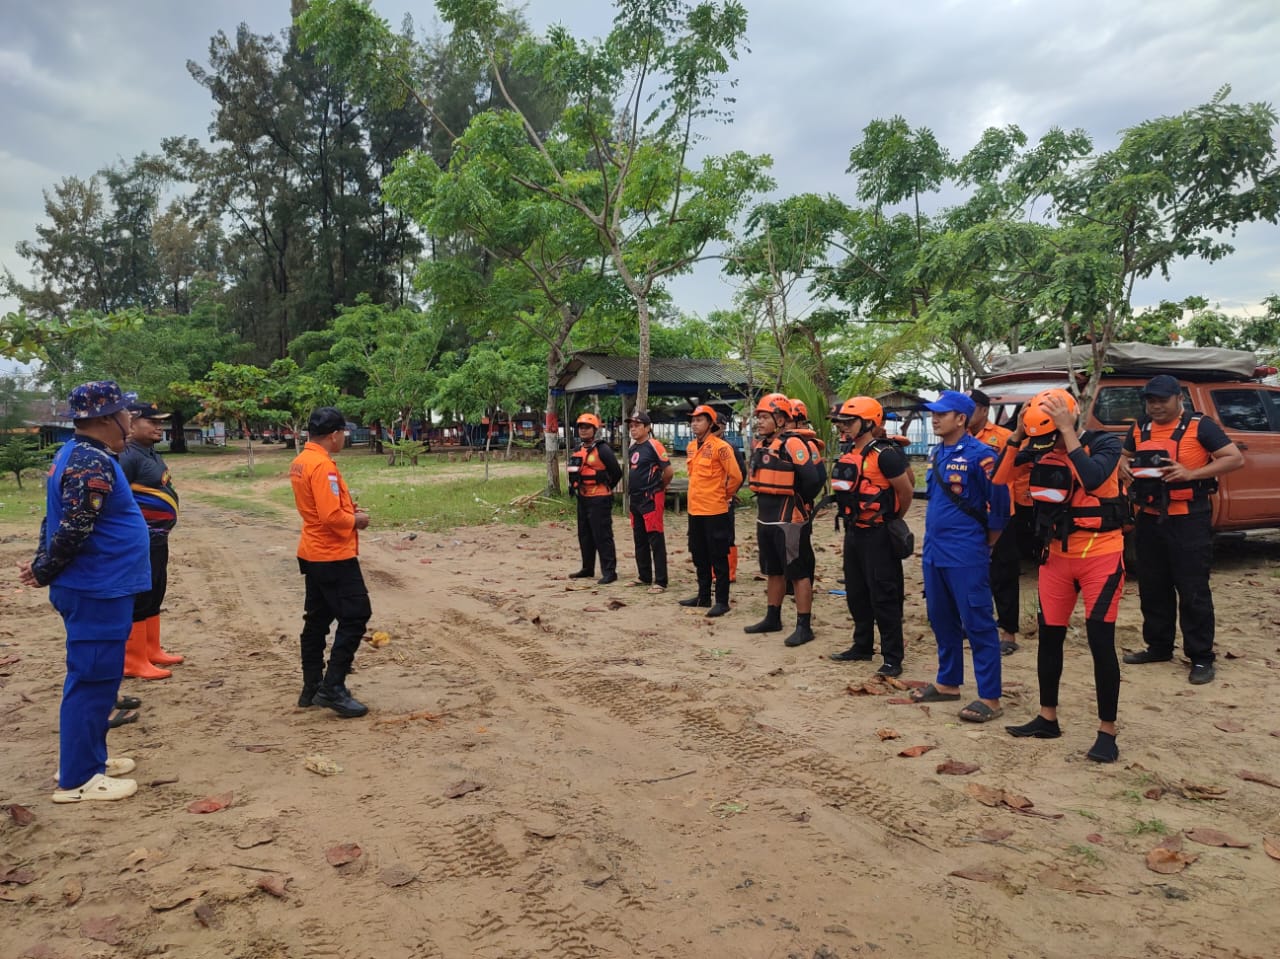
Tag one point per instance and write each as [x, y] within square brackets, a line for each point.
[328, 559]
[152, 486]
[1174, 458]
[651, 473]
[93, 556]
[714, 479]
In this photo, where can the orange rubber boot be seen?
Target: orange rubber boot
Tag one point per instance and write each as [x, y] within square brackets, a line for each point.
[154, 652]
[733, 564]
[136, 663]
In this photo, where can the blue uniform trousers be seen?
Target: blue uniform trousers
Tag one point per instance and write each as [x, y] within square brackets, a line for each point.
[96, 633]
[958, 602]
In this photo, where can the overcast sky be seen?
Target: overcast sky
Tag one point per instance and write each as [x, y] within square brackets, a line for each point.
[84, 83]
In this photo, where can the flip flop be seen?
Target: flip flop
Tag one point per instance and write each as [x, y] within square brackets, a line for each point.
[122, 717]
[1008, 647]
[128, 702]
[981, 712]
[930, 694]
[657, 589]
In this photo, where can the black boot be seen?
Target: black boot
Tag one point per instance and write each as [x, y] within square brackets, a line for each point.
[698, 600]
[337, 698]
[772, 622]
[719, 609]
[582, 574]
[803, 632]
[308, 691]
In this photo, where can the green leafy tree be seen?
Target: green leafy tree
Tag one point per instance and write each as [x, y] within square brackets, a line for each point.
[489, 380]
[236, 393]
[19, 455]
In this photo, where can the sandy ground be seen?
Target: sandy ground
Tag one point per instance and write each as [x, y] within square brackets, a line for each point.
[651, 783]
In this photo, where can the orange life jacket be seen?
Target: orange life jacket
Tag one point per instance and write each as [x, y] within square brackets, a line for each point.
[1063, 506]
[854, 482]
[587, 475]
[1149, 490]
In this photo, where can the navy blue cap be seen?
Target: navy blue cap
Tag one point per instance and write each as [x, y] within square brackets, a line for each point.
[1162, 385]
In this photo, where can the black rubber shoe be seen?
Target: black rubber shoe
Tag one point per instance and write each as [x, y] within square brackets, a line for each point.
[340, 701]
[802, 635]
[582, 574]
[719, 609]
[607, 578]
[696, 601]
[889, 669]
[765, 625]
[308, 692]
[1146, 656]
[1104, 749]
[1201, 673]
[852, 655]
[1038, 728]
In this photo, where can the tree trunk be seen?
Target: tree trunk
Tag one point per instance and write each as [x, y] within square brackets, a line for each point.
[642, 368]
[177, 433]
[551, 437]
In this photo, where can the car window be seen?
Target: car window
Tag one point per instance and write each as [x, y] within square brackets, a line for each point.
[1118, 405]
[1244, 410]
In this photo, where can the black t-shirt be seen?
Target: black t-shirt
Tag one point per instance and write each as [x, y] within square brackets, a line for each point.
[648, 462]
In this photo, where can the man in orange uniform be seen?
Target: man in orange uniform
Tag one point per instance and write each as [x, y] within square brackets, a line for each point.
[871, 484]
[593, 473]
[1006, 566]
[327, 557]
[1175, 458]
[786, 479]
[714, 478]
[1080, 515]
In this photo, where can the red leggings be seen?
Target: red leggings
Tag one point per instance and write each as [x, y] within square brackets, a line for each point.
[1101, 580]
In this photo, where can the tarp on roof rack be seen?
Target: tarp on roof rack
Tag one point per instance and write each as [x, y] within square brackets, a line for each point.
[1135, 359]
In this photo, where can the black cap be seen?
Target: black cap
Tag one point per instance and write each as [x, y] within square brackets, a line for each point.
[642, 418]
[1162, 385]
[326, 420]
[979, 398]
[147, 411]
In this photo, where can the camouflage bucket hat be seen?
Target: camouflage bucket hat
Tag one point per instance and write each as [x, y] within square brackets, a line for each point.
[98, 398]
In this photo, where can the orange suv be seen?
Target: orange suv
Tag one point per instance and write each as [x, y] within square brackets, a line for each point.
[1226, 385]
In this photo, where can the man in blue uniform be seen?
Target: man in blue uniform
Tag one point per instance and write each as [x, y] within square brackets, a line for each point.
[965, 515]
[93, 556]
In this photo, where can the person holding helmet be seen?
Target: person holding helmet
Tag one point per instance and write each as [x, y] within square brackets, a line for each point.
[651, 473]
[965, 515]
[1080, 515]
[593, 473]
[1175, 458]
[714, 479]
[786, 474]
[1006, 565]
[871, 485]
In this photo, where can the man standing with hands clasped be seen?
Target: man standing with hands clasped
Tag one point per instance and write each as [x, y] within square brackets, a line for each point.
[327, 558]
[93, 556]
[593, 473]
[1175, 459]
[651, 473]
[965, 515]
[714, 479]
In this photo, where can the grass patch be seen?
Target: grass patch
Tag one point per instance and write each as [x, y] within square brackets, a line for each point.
[446, 503]
[1143, 827]
[240, 504]
[1084, 853]
[1088, 814]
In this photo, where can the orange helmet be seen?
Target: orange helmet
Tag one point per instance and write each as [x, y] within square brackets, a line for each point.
[588, 419]
[799, 410]
[1034, 418]
[708, 411]
[775, 403]
[863, 408]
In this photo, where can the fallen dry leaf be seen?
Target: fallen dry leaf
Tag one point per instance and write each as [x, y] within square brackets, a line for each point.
[211, 803]
[18, 877]
[1214, 837]
[461, 789]
[1054, 879]
[275, 884]
[953, 767]
[886, 733]
[21, 815]
[899, 701]
[172, 900]
[995, 835]
[397, 874]
[615, 604]
[911, 752]
[257, 834]
[987, 795]
[1155, 792]
[205, 915]
[869, 688]
[1250, 776]
[895, 683]
[343, 853]
[72, 890]
[321, 765]
[1271, 847]
[102, 929]
[1228, 726]
[1095, 838]
[1168, 862]
[1196, 791]
[979, 873]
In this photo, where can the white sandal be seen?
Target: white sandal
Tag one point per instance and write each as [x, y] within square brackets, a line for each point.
[100, 787]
